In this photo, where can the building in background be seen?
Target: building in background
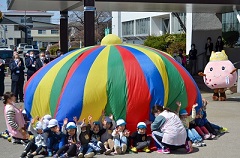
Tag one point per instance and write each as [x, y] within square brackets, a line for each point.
[45, 34]
[11, 33]
[230, 22]
[135, 27]
[26, 19]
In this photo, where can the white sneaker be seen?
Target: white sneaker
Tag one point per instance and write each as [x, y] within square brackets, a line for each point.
[89, 155]
[80, 155]
[203, 144]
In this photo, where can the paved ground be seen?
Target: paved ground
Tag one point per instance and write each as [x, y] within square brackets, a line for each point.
[225, 113]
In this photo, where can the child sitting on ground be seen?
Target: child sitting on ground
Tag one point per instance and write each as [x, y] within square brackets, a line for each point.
[45, 120]
[72, 131]
[56, 139]
[216, 127]
[34, 148]
[120, 135]
[140, 139]
[85, 150]
[192, 134]
[108, 124]
[201, 120]
[95, 137]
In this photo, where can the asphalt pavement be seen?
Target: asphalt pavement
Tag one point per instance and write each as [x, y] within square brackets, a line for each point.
[226, 113]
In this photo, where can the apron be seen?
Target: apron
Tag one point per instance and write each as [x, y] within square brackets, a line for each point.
[19, 119]
[174, 133]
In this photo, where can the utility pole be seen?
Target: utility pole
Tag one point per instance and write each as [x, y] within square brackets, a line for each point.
[25, 24]
[64, 31]
[89, 22]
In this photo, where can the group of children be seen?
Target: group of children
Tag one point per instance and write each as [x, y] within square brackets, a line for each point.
[88, 138]
[197, 126]
[84, 139]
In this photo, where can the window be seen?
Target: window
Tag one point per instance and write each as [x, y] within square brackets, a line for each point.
[166, 28]
[128, 28]
[230, 22]
[41, 31]
[54, 32]
[143, 26]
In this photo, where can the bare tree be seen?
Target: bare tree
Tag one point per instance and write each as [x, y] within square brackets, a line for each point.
[76, 24]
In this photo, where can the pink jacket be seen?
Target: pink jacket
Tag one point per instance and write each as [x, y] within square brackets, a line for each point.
[19, 119]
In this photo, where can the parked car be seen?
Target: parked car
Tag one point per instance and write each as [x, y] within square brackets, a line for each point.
[20, 47]
[36, 52]
[6, 55]
[27, 47]
[3, 47]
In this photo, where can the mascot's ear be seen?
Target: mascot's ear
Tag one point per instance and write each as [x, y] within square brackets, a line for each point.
[223, 51]
[213, 52]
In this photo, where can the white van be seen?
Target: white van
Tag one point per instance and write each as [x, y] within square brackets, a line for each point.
[20, 47]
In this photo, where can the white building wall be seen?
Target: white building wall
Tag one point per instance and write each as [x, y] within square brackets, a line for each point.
[155, 26]
[11, 34]
[155, 21]
[116, 23]
[47, 34]
[127, 16]
[188, 32]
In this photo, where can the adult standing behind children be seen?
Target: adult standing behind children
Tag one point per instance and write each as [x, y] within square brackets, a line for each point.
[14, 119]
[41, 61]
[17, 75]
[167, 129]
[219, 44]
[208, 48]
[193, 59]
[31, 65]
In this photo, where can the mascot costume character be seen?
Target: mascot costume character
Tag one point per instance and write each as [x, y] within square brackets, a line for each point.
[219, 74]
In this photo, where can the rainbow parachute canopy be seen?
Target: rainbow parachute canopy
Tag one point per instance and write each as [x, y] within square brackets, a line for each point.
[125, 80]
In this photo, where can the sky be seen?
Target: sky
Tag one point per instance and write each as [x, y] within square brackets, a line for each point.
[3, 8]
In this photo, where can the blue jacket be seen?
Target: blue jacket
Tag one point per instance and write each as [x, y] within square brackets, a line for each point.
[29, 64]
[201, 121]
[17, 72]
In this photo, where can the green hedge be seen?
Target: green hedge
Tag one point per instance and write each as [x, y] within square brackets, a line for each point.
[53, 49]
[42, 49]
[167, 42]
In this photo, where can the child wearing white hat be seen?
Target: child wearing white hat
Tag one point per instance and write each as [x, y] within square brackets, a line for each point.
[140, 139]
[120, 134]
[56, 139]
[45, 120]
[40, 143]
[72, 131]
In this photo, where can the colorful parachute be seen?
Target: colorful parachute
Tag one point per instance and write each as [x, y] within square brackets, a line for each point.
[125, 80]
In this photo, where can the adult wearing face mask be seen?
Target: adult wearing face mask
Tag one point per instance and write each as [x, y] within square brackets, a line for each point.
[41, 61]
[208, 48]
[48, 57]
[17, 75]
[31, 65]
[193, 59]
[219, 44]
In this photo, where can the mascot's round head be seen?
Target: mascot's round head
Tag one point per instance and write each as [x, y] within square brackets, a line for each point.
[219, 72]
